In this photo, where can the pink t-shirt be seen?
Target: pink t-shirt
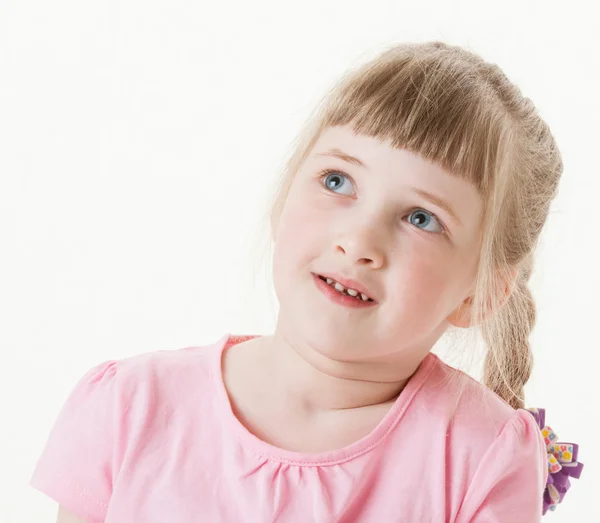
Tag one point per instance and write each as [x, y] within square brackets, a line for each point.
[152, 439]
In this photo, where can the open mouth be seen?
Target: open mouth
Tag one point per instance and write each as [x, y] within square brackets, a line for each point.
[346, 291]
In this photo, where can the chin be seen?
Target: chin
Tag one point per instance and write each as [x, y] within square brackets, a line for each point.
[335, 346]
[315, 328]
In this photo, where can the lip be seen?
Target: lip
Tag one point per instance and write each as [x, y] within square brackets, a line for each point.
[348, 283]
[341, 299]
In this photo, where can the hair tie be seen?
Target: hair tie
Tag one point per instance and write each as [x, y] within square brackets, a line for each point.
[562, 463]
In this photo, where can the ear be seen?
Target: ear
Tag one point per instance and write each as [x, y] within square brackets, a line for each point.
[461, 316]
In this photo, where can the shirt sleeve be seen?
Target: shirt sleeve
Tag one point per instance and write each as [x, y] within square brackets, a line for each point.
[509, 483]
[79, 463]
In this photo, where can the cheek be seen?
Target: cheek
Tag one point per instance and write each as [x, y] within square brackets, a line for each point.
[428, 285]
[300, 237]
[303, 224]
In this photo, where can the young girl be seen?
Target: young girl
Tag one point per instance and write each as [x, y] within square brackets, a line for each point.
[413, 202]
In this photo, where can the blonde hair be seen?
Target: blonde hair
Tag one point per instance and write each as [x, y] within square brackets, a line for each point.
[448, 105]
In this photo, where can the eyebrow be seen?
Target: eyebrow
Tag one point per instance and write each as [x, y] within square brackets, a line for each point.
[436, 200]
[338, 153]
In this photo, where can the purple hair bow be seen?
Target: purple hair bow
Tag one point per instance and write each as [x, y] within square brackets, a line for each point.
[562, 463]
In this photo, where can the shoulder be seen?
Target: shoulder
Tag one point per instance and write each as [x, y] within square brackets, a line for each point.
[472, 412]
[115, 412]
[126, 391]
[485, 441]
[147, 377]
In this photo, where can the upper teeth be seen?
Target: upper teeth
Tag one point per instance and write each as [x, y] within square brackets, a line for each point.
[339, 287]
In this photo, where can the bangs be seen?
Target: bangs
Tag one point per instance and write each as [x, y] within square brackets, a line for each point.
[433, 106]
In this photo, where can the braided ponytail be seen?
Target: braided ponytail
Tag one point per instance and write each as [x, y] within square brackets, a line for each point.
[509, 360]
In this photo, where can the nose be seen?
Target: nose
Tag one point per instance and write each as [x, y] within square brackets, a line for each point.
[362, 246]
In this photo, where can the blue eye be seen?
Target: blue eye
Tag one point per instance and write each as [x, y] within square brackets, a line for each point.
[425, 220]
[335, 181]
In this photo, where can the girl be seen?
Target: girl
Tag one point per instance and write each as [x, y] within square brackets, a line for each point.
[413, 203]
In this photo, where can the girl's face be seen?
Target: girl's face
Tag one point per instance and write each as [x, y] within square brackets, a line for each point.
[404, 230]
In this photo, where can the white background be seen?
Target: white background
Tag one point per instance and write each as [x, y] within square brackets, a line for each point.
[139, 142]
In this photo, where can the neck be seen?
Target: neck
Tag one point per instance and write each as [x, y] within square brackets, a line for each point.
[317, 384]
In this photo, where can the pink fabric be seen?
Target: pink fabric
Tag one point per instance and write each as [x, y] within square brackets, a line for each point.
[152, 439]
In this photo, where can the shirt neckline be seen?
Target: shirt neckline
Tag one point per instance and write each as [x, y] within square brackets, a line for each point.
[325, 458]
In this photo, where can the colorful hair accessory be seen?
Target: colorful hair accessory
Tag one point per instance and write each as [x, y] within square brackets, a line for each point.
[562, 463]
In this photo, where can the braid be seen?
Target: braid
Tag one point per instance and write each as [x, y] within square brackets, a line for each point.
[508, 367]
